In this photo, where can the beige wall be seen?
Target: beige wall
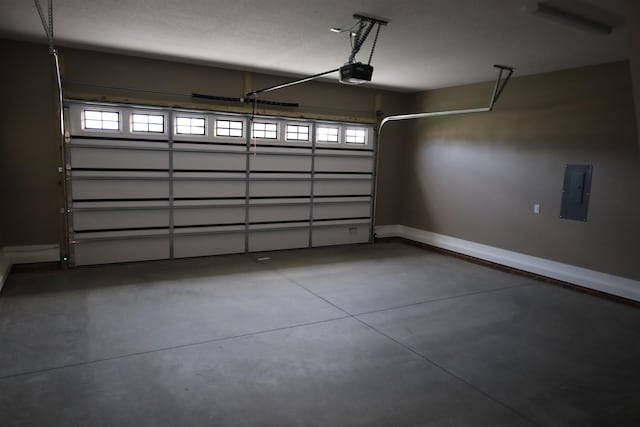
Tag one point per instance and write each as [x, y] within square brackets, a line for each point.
[29, 158]
[476, 177]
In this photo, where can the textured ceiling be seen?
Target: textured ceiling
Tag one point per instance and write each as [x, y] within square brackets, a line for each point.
[427, 44]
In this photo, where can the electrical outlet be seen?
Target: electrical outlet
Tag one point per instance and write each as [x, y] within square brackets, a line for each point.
[536, 208]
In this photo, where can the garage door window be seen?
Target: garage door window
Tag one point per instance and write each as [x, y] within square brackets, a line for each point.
[355, 136]
[231, 128]
[190, 125]
[265, 130]
[153, 123]
[327, 134]
[297, 133]
[101, 120]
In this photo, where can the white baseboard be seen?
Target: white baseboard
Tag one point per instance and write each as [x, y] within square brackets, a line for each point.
[384, 231]
[32, 253]
[591, 279]
[10, 255]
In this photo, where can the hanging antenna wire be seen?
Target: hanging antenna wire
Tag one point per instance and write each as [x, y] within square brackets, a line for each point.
[365, 25]
[363, 32]
[253, 136]
[375, 40]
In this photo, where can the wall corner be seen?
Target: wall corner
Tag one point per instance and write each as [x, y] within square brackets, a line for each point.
[5, 268]
[633, 23]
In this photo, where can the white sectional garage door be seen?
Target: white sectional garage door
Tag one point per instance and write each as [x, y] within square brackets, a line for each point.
[147, 183]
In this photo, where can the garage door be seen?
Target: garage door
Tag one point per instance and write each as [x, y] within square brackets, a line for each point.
[146, 183]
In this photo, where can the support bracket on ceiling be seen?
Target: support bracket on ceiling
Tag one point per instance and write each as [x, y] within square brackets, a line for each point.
[498, 87]
[245, 100]
[500, 82]
[365, 25]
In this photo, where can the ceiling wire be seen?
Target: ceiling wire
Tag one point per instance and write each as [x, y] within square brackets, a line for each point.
[348, 30]
[375, 41]
[251, 126]
[340, 31]
[365, 25]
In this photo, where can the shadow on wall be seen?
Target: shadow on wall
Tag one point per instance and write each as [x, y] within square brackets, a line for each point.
[477, 177]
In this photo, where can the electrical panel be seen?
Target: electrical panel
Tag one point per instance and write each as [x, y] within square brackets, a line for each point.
[576, 192]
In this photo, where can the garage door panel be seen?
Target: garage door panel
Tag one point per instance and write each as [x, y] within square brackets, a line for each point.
[342, 187]
[99, 158]
[209, 216]
[259, 213]
[209, 189]
[340, 235]
[119, 189]
[279, 188]
[130, 218]
[269, 240]
[344, 164]
[209, 161]
[342, 210]
[208, 244]
[280, 163]
[120, 250]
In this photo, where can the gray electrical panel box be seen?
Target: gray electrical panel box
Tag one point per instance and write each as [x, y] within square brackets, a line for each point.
[576, 192]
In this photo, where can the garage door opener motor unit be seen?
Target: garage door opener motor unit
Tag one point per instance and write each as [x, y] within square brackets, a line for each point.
[350, 73]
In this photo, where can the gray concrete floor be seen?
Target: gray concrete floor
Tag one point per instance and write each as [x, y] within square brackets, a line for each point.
[382, 335]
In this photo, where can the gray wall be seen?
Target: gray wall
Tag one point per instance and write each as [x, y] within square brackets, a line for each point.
[28, 153]
[476, 177]
[632, 20]
[29, 192]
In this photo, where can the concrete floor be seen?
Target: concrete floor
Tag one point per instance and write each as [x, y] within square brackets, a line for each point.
[384, 335]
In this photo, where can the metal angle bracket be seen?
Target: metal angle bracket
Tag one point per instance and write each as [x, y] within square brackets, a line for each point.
[501, 82]
[371, 19]
[245, 100]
